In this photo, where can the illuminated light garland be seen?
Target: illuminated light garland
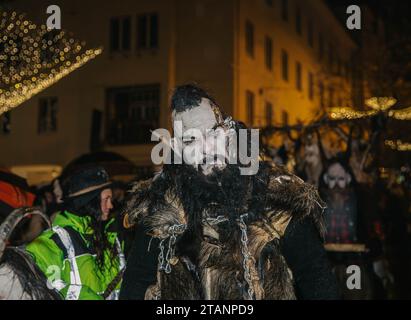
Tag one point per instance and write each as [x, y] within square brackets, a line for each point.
[377, 104]
[380, 103]
[403, 114]
[33, 58]
[398, 145]
[348, 113]
[22, 92]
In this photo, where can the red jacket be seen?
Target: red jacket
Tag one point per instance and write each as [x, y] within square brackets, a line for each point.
[14, 193]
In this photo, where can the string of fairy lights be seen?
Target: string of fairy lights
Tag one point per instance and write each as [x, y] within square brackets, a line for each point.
[403, 114]
[377, 105]
[398, 145]
[344, 113]
[32, 58]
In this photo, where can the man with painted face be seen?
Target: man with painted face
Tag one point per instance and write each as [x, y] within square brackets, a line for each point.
[337, 190]
[213, 228]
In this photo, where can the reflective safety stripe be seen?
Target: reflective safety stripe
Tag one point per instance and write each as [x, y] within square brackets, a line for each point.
[122, 264]
[121, 258]
[74, 288]
[114, 295]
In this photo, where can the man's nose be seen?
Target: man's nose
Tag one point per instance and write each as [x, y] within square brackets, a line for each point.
[209, 146]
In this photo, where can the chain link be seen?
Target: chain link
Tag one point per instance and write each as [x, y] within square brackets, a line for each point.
[164, 262]
[214, 221]
[161, 255]
[246, 256]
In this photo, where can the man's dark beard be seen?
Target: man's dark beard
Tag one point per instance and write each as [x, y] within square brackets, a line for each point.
[221, 193]
[223, 187]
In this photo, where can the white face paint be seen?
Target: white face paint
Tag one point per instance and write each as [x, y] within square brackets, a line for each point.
[336, 175]
[205, 141]
[312, 154]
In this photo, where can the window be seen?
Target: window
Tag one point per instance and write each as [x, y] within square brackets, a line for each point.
[284, 64]
[250, 107]
[120, 34]
[114, 34]
[284, 116]
[131, 113]
[298, 74]
[268, 114]
[5, 123]
[310, 34]
[269, 53]
[284, 10]
[47, 116]
[249, 38]
[347, 71]
[320, 47]
[342, 66]
[126, 35]
[339, 66]
[331, 57]
[321, 89]
[298, 26]
[147, 31]
[154, 31]
[310, 85]
[331, 97]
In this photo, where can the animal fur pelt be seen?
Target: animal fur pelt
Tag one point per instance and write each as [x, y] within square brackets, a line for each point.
[21, 279]
[222, 240]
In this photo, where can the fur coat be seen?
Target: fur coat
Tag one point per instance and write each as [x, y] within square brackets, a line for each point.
[248, 265]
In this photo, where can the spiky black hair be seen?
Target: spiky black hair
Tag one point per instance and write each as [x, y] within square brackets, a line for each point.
[188, 96]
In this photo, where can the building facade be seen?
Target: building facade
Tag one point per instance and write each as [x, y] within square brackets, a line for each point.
[266, 62]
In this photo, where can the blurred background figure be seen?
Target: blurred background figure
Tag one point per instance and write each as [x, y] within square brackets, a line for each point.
[14, 194]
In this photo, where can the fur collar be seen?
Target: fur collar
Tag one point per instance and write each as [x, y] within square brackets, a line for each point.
[285, 194]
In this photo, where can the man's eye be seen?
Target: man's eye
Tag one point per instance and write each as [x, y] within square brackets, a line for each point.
[188, 141]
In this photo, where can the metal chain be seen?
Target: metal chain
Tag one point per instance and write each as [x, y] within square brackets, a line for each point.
[214, 221]
[229, 122]
[246, 256]
[165, 262]
[161, 255]
[170, 253]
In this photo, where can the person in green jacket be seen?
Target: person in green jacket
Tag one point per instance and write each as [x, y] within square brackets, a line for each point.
[81, 255]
